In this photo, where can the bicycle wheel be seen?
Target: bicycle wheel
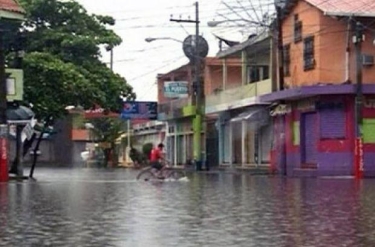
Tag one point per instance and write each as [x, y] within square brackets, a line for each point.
[146, 174]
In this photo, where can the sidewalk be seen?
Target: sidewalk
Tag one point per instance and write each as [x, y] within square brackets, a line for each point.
[234, 170]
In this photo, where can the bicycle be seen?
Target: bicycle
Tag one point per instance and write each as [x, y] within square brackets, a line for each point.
[150, 173]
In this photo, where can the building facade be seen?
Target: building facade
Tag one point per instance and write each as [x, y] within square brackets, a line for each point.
[242, 119]
[314, 115]
[177, 110]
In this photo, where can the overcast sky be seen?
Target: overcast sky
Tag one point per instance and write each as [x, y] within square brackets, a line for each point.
[140, 62]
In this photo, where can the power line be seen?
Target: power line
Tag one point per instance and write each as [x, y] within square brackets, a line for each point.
[169, 62]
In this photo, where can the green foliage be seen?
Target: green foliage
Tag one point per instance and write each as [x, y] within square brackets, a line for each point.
[146, 149]
[107, 129]
[136, 156]
[62, 63]
[78, 121]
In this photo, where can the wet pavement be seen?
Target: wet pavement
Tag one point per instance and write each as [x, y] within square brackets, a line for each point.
[93, 207]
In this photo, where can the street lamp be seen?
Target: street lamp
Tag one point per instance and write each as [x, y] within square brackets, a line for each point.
[110, 49]
[150, 39]
[216, 23]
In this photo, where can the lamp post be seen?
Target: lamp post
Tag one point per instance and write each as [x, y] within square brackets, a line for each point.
[195, 48]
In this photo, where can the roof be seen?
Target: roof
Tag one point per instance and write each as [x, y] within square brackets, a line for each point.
[11, 6]
[364, 8]
[240, 47]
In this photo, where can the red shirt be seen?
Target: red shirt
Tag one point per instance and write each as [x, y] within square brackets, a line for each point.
[155, 155]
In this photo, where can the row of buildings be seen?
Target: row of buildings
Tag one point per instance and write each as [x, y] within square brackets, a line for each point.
[301, 122]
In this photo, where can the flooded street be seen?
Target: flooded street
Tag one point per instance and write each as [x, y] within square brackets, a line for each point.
[92, 207]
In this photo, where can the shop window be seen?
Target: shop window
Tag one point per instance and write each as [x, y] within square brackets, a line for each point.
[308, 53]
[333, 122]
[286, 58]
[296, 133]
[368, 127]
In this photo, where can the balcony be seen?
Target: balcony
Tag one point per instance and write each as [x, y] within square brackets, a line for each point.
[178, 108]
[237, 96]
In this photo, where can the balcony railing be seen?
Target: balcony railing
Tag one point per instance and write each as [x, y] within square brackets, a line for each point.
[240, 92]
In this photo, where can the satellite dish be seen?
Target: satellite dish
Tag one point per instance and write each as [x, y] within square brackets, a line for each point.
[189, 47]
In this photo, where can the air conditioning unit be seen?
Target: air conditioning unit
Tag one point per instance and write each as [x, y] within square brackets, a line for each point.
[367, 60]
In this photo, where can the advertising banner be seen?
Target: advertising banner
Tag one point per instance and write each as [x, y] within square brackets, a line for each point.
[140, 110]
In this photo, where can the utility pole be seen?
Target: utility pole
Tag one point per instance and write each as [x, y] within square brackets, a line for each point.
[4, 176]
[198, 91]
[358, 160]
[280, 47]
[280, 75]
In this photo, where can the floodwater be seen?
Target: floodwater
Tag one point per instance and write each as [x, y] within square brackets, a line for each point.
[94, 207]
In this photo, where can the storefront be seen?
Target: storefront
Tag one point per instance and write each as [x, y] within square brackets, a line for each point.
[180, 141]
[314, 136]
[245, 136]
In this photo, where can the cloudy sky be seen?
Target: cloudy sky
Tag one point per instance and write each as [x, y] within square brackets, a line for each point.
[140, 62]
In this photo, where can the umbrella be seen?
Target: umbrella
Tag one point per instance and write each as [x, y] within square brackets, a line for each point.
[19, 113]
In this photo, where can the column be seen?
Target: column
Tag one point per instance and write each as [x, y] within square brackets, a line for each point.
[175, 145]
[219, 126]
[230, 144]
[244, 67]
[225, 73]
[243, 141]
[184, 148]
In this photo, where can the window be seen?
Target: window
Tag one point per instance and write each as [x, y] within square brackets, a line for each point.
[308, 53]
[258, 73]
[254, 74]
[368, 127]
[297, 29]
[286, 58]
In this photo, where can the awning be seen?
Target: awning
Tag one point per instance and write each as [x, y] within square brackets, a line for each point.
[19, 115]
[256, 117]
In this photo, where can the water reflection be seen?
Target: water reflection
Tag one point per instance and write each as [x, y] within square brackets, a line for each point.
[91, 207]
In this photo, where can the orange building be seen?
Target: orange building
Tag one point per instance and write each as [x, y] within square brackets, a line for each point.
[328, 55]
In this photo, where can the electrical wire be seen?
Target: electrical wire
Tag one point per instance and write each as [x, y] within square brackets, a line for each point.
[169, 62]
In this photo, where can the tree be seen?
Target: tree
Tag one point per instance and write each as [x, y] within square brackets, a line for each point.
[106, 131]
[62, 64]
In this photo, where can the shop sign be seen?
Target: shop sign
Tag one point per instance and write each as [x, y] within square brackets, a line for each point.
[176, 89]
[369, 103]
[281, 110]
[306, 105]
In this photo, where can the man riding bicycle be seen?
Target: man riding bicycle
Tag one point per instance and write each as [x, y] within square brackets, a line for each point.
[157, 159]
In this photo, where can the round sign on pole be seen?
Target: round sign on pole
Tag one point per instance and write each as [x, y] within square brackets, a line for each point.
[189, 47]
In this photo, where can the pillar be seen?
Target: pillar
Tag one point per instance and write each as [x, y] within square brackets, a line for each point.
[243, 142]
